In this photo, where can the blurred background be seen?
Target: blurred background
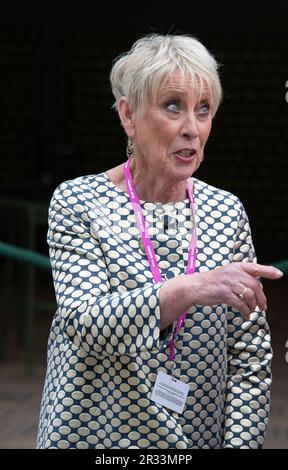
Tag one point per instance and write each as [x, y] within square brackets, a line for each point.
[57, 123]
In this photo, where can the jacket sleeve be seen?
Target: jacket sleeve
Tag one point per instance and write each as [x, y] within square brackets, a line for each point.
[249, 359]
[96, 319]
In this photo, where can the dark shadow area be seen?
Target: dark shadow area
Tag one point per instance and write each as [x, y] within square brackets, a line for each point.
[57, 123]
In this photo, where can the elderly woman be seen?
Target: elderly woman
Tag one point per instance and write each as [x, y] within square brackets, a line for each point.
[160, 338]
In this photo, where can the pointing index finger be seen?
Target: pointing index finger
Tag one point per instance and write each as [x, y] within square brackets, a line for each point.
[261, 270]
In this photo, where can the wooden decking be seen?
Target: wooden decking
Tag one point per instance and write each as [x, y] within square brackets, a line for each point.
[20, 393]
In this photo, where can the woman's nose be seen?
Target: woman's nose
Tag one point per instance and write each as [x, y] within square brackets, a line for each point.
[190, 127]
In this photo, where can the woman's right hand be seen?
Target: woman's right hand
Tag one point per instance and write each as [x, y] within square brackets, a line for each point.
[224, 284]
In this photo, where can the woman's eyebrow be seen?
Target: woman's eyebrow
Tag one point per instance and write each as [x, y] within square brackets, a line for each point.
[169, 94]
[174, 91]
[205, 98]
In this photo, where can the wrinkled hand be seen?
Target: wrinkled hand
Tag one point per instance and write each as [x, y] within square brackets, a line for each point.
[223, 285]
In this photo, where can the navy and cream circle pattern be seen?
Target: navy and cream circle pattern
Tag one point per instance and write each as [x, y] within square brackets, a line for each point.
[105, 346]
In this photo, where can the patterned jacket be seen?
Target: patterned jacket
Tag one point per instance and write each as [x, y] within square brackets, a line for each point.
[105, 346]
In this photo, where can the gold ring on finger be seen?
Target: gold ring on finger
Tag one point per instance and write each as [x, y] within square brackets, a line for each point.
[242, 295]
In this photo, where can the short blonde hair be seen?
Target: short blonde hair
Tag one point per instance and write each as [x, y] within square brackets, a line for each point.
[154, 59]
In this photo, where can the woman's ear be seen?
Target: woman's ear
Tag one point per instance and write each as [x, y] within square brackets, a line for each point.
[126, 116]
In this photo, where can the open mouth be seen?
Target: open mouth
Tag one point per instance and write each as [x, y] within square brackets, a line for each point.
[185, 155]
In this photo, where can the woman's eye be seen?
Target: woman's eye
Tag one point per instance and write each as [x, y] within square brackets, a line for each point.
[204, 109]
[173, 106]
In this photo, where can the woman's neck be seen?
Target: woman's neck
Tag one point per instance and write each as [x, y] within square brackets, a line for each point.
[153, 187]
[150, 188]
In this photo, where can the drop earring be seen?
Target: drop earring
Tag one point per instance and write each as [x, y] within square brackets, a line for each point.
[129, 148]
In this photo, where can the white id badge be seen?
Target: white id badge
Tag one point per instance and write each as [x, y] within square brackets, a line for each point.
[170, 392]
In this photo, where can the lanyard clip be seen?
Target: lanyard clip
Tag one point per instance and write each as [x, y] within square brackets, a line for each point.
[171, 366]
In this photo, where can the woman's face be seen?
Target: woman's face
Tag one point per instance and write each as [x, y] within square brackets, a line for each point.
[170, 135]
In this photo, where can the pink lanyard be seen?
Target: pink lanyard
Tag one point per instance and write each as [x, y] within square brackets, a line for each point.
[191, 264]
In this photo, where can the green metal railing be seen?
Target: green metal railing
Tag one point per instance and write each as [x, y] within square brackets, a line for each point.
[42, 261]
[25, 256]
[34, 259]
[28, 300]
[282, 265]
